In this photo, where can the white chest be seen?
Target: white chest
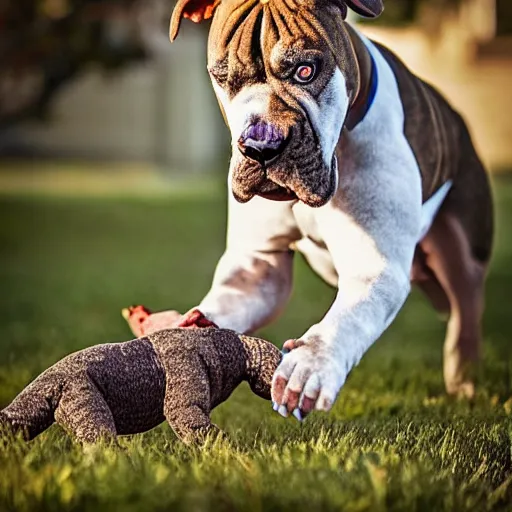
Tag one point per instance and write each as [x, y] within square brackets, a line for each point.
[312, 245]
[314, 249]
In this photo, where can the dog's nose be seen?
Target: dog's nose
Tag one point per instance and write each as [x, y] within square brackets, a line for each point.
[262, 142]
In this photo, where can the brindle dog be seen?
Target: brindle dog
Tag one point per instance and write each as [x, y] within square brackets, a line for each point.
[343, 154]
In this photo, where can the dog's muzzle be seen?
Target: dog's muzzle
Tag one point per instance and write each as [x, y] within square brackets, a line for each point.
[262, 142]
[281, 162]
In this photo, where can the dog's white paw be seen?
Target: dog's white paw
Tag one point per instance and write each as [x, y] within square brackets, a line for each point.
[309, 377]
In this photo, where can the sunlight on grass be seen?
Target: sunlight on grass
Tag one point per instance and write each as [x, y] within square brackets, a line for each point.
[108, 180]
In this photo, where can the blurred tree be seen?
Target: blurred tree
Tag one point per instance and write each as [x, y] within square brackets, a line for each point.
[46, 43]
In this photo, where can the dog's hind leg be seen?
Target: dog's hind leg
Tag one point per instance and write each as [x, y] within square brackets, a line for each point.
[457, 249]
[448, 255]
[425, 279]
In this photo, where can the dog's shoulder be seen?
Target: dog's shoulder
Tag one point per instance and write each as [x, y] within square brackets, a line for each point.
[431, 126]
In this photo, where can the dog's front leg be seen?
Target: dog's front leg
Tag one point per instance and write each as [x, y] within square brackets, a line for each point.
[370, 228]
[316, 365]
[253, 278]
[248, 290]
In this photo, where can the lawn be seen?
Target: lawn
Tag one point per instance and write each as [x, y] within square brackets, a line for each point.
[394, 441]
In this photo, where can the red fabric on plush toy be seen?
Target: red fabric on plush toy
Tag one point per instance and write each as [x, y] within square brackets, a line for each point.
[142, 322]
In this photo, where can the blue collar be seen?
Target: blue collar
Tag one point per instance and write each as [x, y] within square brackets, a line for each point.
[363, 102]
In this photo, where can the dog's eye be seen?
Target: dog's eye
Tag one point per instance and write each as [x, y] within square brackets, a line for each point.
[304, 73]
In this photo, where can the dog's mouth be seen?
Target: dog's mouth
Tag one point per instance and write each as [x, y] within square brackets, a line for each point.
[298, 173]
[269, 189]
[277, 185]
[276, 192]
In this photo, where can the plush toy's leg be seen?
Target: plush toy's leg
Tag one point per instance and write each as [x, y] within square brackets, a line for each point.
[28, 423]
[31, 412]
[83, 411]
[461, 276]
[191, 424]
[187, 400]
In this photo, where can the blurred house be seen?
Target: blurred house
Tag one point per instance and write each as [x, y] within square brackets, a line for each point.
[164, 110]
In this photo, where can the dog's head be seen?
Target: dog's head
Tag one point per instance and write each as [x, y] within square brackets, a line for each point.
[285, 73]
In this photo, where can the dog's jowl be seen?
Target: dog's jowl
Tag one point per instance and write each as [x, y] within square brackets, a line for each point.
[341, 153]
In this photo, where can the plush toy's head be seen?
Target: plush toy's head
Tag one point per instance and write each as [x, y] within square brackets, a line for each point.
[262, 360]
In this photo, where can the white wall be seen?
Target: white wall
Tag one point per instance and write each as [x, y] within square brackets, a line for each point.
[98, 116]
[163, 110]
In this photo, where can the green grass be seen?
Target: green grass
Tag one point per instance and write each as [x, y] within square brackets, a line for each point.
[394, 441]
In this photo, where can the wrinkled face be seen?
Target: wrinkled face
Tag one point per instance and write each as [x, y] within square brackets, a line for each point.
[284, 79]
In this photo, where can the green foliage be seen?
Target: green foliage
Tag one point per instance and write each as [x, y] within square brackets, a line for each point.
[394, 441]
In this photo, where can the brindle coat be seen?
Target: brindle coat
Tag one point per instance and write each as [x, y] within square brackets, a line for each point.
[127, 388]
[378, 179]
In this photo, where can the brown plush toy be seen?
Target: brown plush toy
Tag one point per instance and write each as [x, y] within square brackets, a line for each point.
[126, 388]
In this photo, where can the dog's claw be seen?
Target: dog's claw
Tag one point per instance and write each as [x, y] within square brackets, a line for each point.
[283, 411]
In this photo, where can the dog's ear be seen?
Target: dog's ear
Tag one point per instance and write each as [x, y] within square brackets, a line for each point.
[367, 8]
[195, 10]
